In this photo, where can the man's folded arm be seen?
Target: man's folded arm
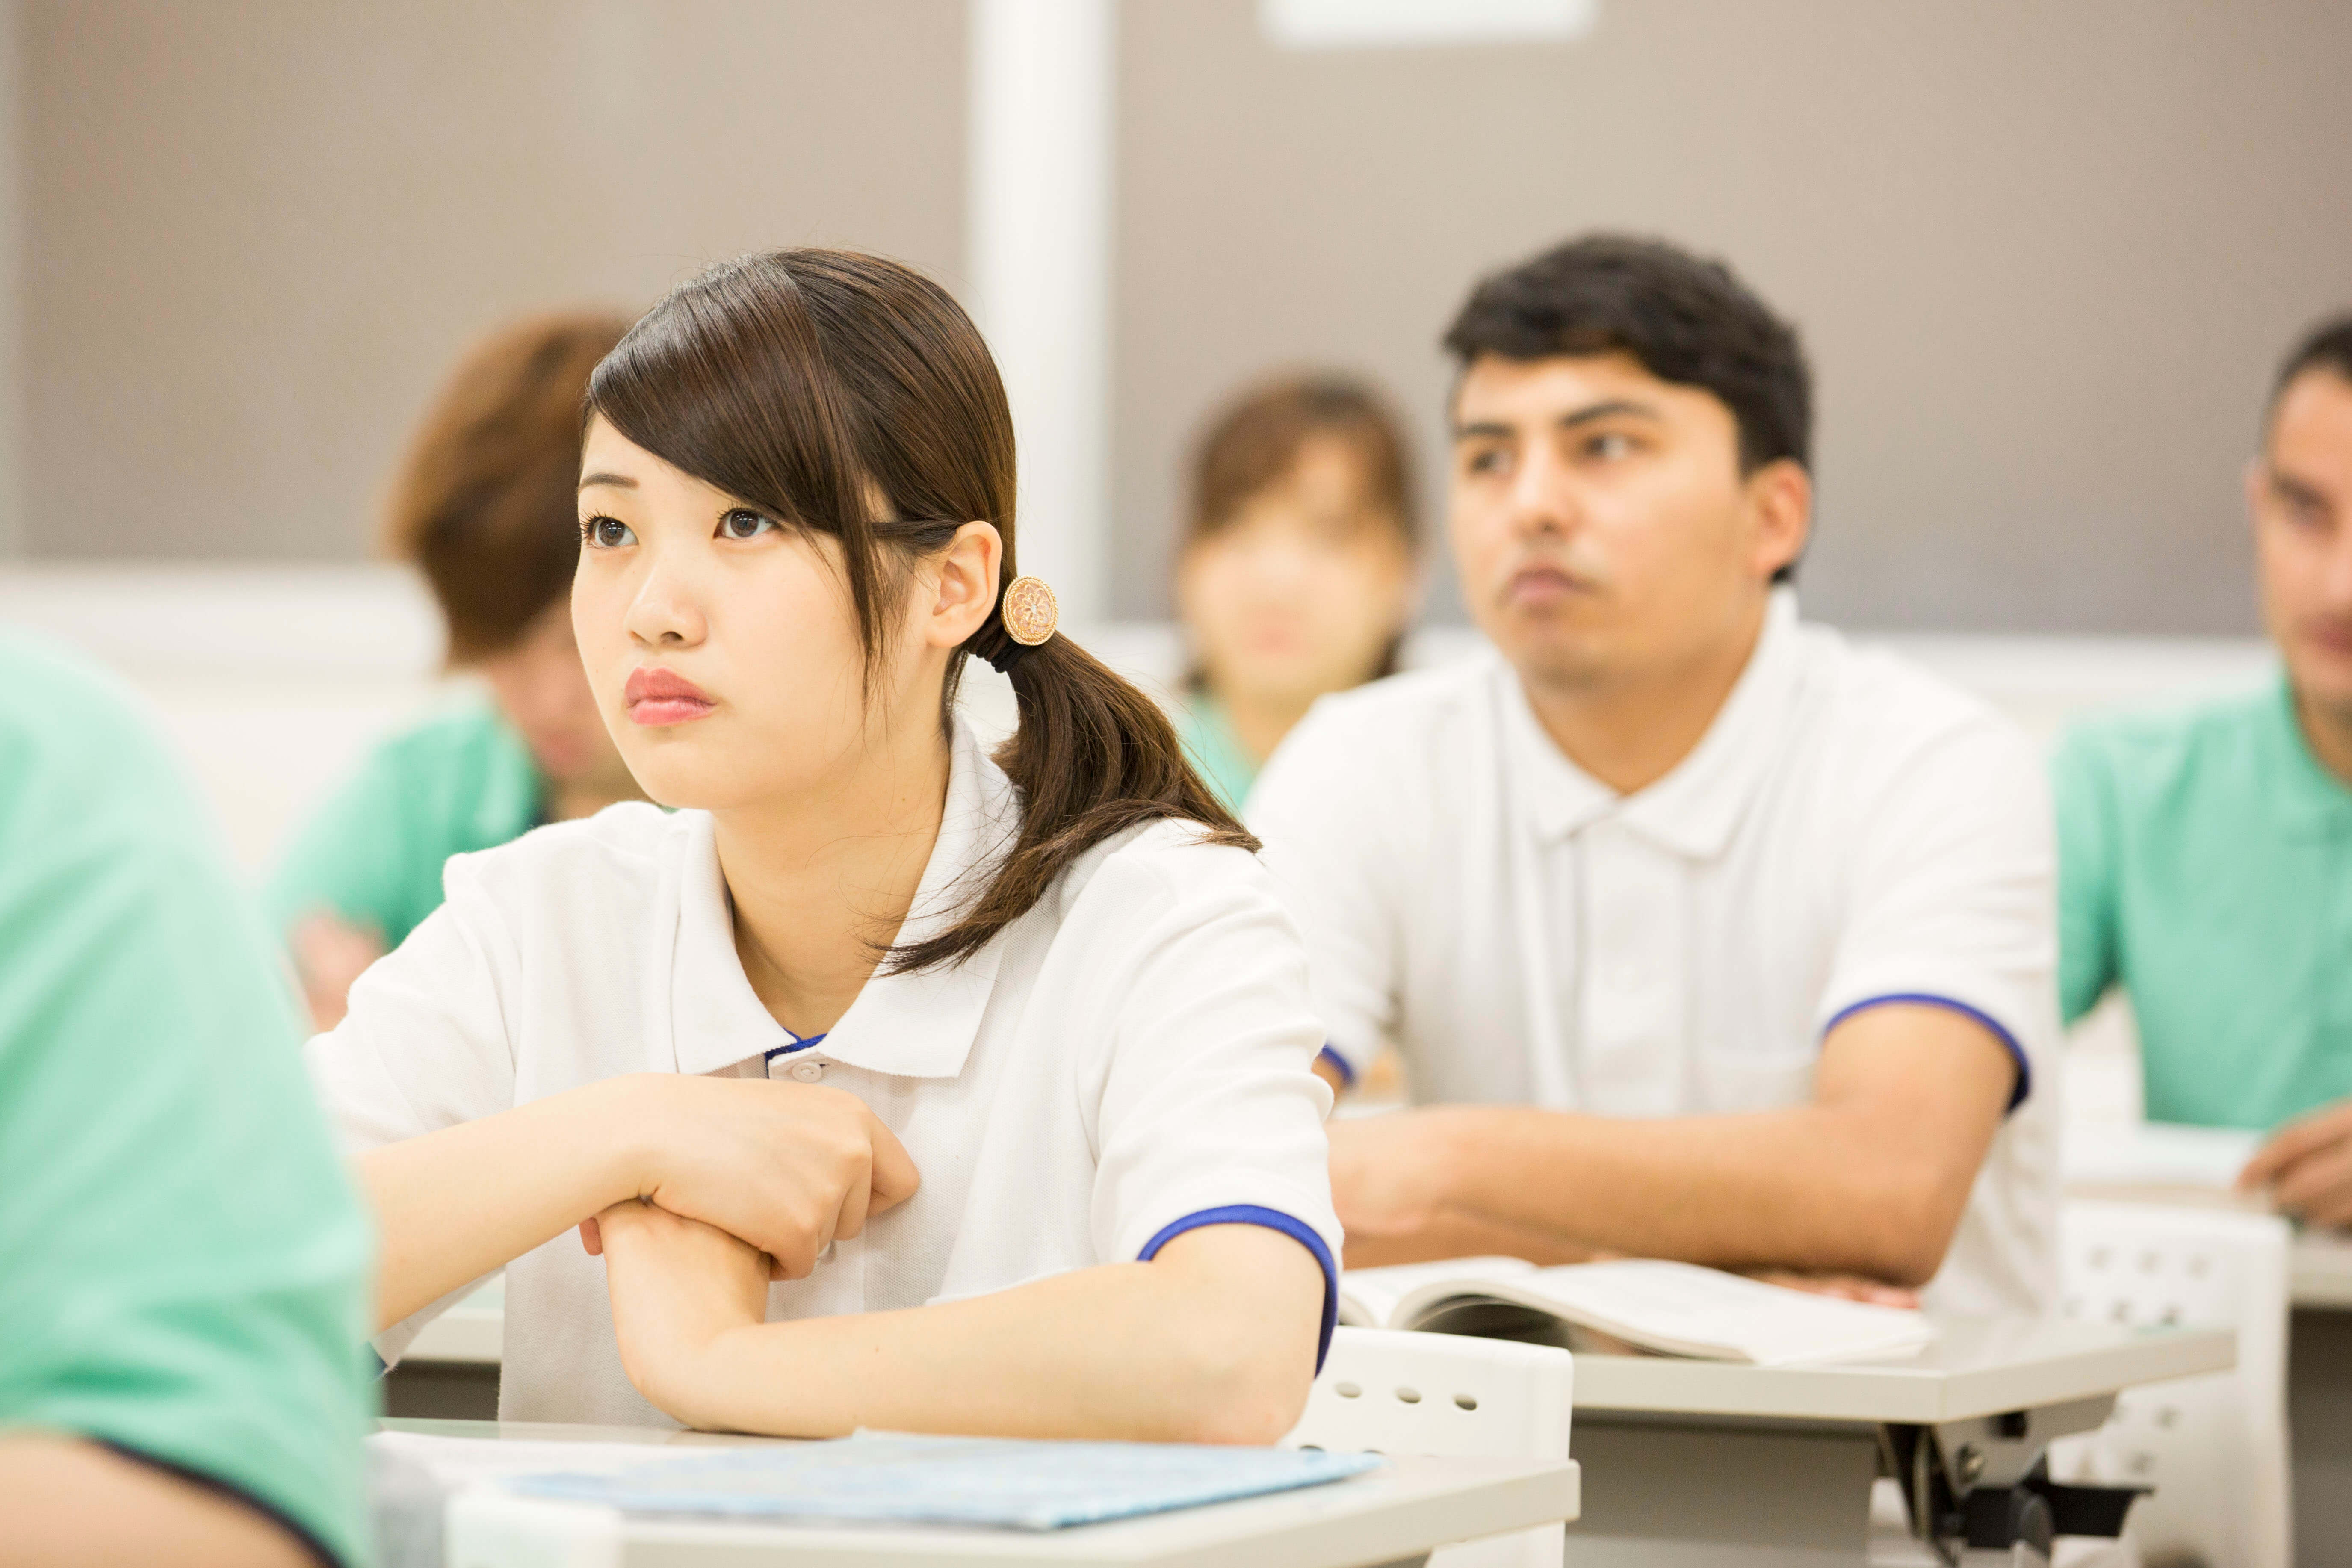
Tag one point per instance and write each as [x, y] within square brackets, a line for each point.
[1869, 1178]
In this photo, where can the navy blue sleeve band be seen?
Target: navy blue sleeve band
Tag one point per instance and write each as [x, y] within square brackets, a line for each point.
[1273, 1219]
[1920, 999]
[232, 1492]
[1338, 1065]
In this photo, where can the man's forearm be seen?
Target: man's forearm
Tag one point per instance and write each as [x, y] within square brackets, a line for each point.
[1869, 1177]
[1458, 1233]
[1805, 1188]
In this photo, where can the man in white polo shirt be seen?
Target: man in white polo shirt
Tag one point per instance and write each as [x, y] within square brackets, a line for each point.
[1701, 934]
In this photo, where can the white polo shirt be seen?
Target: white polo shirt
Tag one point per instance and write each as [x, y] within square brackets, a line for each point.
[1128, 1060]
[1850, 831]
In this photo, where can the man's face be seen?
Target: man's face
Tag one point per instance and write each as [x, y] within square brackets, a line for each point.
[1602, 526]
[2299, 492]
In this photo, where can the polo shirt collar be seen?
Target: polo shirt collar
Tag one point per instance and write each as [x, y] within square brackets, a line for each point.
[1694, 810]
[2310, 802]
[910, 1025]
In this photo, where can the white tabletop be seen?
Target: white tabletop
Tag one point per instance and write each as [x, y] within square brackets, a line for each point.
[1404, 1508]
[2322, 1262]
[1975, 1367]
[473, 1332]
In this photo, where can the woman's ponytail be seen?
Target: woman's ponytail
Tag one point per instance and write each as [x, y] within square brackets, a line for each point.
[1093, 757]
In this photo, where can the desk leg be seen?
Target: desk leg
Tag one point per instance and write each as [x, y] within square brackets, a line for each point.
[1698, 1497]
[2319, 1419]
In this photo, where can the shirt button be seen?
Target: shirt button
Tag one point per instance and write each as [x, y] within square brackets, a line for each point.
[808, 1072]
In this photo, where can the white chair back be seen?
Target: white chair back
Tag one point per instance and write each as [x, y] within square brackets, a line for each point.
[1451, 1396]
[2214, 1448]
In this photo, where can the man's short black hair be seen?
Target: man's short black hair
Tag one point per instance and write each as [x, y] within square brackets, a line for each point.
[1689, 320]
[2327, 346]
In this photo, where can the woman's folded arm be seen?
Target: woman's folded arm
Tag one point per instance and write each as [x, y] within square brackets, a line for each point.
[1214, 1341]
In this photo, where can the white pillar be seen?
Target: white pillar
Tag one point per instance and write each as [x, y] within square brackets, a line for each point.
[1039, 269]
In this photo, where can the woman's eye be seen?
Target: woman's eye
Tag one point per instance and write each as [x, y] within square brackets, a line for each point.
[605, 534]
[742, 522]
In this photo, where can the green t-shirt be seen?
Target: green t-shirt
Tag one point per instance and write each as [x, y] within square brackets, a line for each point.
[458, 782]
[2205, 866]
[182, 1264]
[1216, 752]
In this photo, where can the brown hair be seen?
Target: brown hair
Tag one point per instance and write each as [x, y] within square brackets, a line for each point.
[804, 382]
[1255, 440]
[485, 502]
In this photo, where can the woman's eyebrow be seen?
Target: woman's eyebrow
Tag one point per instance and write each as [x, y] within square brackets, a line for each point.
[620, 481]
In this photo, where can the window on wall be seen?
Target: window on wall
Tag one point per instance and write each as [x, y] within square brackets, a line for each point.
[1375, 23]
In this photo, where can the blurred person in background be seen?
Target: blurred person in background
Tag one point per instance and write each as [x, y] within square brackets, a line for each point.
[1297, 573]
[182, 1264]
[1703, 935]
[2206, 854]
[483, 505]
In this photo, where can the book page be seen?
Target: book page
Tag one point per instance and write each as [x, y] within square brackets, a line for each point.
[2157, 1154]
[1369, 1297]
[1685, 1309]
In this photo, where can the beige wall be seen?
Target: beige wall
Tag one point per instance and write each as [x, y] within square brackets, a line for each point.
[2044, 255]
[259, 232]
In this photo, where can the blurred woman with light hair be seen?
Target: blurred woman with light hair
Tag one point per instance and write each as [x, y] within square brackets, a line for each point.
[1298, 575]
[483, 505]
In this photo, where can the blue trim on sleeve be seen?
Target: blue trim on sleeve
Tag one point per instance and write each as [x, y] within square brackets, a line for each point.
[221, 1486]
[1298, 1230]
[789, 1047]
[1339, 1063]
[1923, 999]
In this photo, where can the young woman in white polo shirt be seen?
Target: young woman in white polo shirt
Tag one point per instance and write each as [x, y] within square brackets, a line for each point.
[889, 1083]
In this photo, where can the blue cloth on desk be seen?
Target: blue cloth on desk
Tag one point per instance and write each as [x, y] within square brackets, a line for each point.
[990, 1482]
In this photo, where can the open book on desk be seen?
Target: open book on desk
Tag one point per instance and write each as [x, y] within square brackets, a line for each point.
[2160, 1159]
[1641, 1304]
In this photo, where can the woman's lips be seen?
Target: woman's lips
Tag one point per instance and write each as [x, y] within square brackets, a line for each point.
[658, 696]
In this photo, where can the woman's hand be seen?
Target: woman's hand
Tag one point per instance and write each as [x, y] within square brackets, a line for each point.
[789, 1167]
[679, 1288]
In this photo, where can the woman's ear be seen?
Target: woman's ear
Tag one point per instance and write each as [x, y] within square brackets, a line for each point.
[966, 595]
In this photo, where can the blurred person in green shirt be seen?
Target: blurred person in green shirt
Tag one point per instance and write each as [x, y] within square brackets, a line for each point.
[484, 506]
[184, 1268]
[2206, 855]
[1298, 572]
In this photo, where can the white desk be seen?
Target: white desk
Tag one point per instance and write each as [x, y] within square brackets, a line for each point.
[2322, 1262]
[1696, 1463]
[471, 1333]
[1394, 1515]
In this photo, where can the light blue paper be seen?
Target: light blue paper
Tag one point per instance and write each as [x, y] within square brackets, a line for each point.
[990, 1482]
